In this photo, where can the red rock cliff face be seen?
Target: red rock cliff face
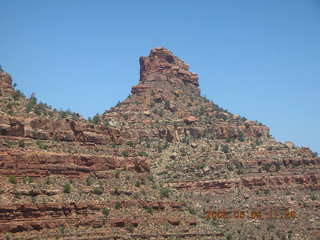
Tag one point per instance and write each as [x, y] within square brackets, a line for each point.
[169, 93]
[5, 82]
[121, 175]
[161, 68]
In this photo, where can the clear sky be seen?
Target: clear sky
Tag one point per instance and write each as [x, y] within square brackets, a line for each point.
[256, 58]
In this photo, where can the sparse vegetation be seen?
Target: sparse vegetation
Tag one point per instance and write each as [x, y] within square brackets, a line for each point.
[125, 153]
[106, 212]
[164, 192]
[12, 179]
[98, 190]
[67, 188]
[137, 184]
[225, 148]
[117, 205]
[142, 160]
[143, 154]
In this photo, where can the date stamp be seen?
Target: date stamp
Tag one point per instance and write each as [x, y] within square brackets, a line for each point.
[252, 214]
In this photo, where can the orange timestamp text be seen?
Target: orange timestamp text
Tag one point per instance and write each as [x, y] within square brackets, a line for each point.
[252, 214]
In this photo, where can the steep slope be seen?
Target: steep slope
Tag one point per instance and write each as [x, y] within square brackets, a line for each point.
[65, 177]
[166, 163]
[217, 160]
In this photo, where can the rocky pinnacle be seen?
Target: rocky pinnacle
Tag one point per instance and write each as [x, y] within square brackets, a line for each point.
[163, 70]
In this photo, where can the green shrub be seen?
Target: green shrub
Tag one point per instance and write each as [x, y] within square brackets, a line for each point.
[129, 143]
[266, 191]
[21, 144]
[126, 116]
[167, 104]
[106, 212]
[117, 174]
[160, 112]
[267, 167]
[130, 227]
[106, 123]
[28, 179]
[151, 178]
[67, 188]
[241, 137]
[98, 190]
[89, 181]
[125, 153]
[225, 148]
[313, 197]
[41, 145]
[143, 154]
[192, 211]
[13, 179]
[9, 143]
[164, 192]
[96, 119]
[148, 210]
[137, 184]
[117, 205]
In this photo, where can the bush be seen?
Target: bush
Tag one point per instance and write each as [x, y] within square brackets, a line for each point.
[117, 174]
[137, 184]
[125, 153]
[28, 179]
[130, 227]
[106, 212]
[267, 167]
[148, 210]
[21, 144]
[96, 119]
[143, 154]
[131, 144]
[106, 124]
[126, 116]
[117, 205]
[167, 104]
[13, 179]
[98, 190]
[33, 99]
[160, 112]
[266, 191]
[225, 148]
[151, 178]
[67, 188]
[164, 192]
[89, 181]
[192, 211]
[17, 95]
[41, 145]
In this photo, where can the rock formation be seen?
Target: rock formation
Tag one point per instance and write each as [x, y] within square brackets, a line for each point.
[150, 167]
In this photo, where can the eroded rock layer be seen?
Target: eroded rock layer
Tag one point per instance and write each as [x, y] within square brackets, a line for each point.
[151, 167]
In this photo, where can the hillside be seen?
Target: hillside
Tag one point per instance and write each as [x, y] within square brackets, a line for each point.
[151, 167]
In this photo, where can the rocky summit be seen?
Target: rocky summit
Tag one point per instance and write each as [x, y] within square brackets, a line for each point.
[166, 163]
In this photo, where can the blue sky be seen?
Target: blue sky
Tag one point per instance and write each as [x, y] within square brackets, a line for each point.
[256, 58]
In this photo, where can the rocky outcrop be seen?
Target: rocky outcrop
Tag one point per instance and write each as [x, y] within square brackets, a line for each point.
[40, 164]
[65, 177]
[162, 69]
[311, 181]
[63, 130]
[29, 217]
[5, 81]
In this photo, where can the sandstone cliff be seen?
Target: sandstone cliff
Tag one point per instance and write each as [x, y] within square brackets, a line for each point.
[150, 167]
